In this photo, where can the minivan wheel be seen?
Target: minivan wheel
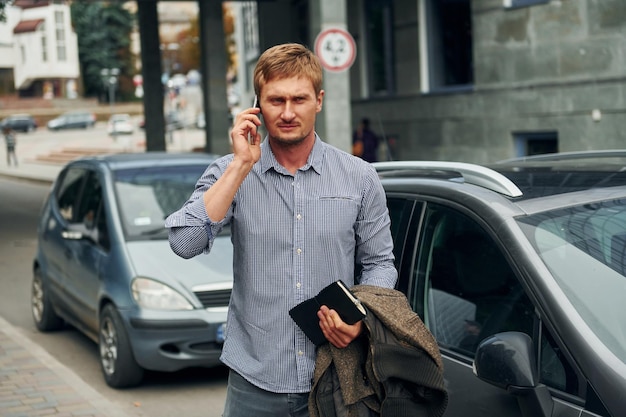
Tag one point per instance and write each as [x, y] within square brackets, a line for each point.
[116, 357]
[46, 319]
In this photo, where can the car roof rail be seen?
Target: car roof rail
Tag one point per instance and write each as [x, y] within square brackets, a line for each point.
[567, 156]
[471, 173]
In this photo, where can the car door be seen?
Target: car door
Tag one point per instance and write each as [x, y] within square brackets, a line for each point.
[57, 220]
[458, 279]
[89, 249]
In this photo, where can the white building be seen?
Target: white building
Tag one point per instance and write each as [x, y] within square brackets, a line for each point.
[39, 50]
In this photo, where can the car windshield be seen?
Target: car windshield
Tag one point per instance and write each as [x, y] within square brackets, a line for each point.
[585, 250]
[147, 195]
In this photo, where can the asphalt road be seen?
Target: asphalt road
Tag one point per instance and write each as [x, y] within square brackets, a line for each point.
[190, 393]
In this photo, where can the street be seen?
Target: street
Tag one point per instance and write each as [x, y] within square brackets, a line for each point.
[194, 392]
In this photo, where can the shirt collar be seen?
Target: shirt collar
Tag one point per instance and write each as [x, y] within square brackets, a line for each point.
[268, 160]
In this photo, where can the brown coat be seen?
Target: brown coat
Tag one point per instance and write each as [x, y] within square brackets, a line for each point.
[393, 369]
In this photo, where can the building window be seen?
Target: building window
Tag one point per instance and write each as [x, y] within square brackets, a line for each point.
[535, 143]
[509, 4]
[44, 49]
[447, 45]
[59, 21]
[44, 41]
[380, 46]
[249, 14]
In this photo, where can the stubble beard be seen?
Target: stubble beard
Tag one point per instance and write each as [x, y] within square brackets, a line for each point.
[288, 143]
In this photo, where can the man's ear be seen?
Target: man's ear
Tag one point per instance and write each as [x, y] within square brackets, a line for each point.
[320, 99]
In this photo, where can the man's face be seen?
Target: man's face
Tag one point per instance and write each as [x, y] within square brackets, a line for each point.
[289, 107]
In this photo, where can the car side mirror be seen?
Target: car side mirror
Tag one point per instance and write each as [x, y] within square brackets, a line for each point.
[72, 235]
[77, 232]
[507, 360]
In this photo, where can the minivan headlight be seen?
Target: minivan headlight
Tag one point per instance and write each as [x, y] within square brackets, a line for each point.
[157, 296]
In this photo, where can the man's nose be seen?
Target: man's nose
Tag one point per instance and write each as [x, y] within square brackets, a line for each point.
[288, 112]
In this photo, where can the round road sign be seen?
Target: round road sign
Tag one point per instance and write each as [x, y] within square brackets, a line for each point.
[336, 49]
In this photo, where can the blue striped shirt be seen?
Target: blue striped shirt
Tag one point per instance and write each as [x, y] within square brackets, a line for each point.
[292, 236]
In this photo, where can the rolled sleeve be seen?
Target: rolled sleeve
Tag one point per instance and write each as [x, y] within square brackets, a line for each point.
[191, 232]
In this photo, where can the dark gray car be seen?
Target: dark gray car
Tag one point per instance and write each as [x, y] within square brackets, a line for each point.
[104, 265]
[19, 123]
[519, 271]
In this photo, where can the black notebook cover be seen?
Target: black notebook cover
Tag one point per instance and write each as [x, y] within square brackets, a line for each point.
[337, 297]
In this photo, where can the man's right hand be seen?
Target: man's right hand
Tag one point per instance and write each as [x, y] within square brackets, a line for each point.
[247, 126]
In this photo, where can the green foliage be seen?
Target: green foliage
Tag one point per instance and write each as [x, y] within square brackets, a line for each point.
[103, 30]
[3, 4]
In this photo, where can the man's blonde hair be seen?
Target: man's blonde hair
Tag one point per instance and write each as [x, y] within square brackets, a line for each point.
[288, 60]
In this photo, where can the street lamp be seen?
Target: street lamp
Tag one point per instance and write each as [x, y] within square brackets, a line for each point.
[109, 77]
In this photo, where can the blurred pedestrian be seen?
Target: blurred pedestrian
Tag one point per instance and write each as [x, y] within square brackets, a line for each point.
[9, 139]
[365, 142]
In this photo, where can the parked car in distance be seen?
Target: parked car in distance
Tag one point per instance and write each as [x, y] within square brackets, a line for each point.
[173, 121]
[19, 123]
[519, 270]
[104, 265]
[120, 124]
[73, 120]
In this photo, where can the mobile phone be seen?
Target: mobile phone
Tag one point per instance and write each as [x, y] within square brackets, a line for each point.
[255, 104]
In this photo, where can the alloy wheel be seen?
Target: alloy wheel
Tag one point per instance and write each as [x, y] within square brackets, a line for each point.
[108, 346]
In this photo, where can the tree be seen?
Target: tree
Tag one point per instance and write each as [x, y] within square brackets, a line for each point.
[188, 39]
[103, 30]
[3, 4]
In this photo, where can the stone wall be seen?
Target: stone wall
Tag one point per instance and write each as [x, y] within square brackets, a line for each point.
[544, 68]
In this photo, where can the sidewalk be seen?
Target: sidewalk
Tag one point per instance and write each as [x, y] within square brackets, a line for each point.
[33, 383]
[33, 148]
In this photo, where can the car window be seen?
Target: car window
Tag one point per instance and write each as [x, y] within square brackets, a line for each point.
[68, 192]
[585, 250]
[470, 290]
[400, 212]
[467, 291]
[146, 196]
[91, 211]
[554, 368]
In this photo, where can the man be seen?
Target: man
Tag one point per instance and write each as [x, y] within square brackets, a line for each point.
[300, 213]
[9, 139]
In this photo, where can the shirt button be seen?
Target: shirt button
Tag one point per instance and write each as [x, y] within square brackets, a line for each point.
[298, 285]
[300, 353]
[299, 216]
[299, 251]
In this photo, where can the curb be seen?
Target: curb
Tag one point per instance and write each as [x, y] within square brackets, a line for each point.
[22, 365]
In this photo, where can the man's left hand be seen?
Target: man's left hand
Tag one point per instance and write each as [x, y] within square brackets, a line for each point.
[336, 331]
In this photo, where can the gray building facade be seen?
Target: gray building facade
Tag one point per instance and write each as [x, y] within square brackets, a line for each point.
[543, 76]
[476, 80]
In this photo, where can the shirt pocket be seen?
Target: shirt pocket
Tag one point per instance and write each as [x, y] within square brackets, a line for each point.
[335, 215]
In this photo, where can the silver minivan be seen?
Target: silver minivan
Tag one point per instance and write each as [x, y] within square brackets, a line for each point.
[104, 265]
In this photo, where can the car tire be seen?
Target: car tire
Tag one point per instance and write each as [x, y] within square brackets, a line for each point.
[44, 316]
[119, 367]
